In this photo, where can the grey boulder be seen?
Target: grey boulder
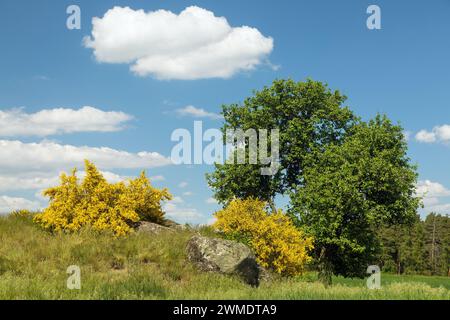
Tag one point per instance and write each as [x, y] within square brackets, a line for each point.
[152, 228]
[224, 256]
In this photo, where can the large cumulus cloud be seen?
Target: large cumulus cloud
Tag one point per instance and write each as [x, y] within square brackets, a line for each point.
[194, 44]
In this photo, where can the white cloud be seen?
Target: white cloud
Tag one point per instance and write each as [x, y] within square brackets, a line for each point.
[211, 201]
[439, 208]
[407, 135]
[157, 178]
[44, 180]
[433, 193]
[183, 214]
[197, 113]
[177, 200]
[13, 183]
[443, 208]
[111, 177]
[194, 44]
[431, 189]
[183, 184]
[438, 134]
[187, 194]
[16, 122]
[17, 156]
[39, 196]
[430, 201]
[41, 77]
[442, 132]
[425, 136]
[8, 204]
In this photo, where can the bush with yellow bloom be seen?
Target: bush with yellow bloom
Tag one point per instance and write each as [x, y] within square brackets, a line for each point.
[101, 205]
[277, 243]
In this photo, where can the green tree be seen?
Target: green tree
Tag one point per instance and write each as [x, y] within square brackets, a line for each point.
[350, 190]
[438, 243]
[417, 262]
[308, 116]
[403, 248]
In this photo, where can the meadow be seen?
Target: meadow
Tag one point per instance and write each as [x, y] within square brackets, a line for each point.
[33, 265]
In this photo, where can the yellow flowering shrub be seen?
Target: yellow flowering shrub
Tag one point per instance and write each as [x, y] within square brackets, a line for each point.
[277, 243]
[101, 205]
[22, 213]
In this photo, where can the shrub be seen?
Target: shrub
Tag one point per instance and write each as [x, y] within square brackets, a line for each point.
[23, 214]
[277, 243]
[100, 205]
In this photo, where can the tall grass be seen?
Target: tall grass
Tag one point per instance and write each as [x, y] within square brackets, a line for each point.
[33, 265]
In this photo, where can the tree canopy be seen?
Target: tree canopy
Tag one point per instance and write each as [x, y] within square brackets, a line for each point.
[344, 177]
[307, 114]
[352, 189]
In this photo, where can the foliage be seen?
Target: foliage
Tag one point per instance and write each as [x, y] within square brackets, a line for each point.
[437, 243]
[103, 206]
[307, 114]
[278, 244]
[350, 190]
[422, 248]
[403, 248]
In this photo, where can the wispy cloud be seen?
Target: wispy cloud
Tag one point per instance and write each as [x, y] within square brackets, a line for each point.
[8, 204]
[183, 214]
[211, 201]
[41, 77]
[157, 178]
[183, 184]
[434, 196]
[191, 111]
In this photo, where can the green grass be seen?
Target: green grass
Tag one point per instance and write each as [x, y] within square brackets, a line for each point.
[33, 265]
[387, 279]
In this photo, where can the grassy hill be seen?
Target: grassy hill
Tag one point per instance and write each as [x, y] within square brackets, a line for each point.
[33, 265]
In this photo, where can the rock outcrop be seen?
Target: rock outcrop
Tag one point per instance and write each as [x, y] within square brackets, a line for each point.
[224, 256]
[153, 228]
[172, 224]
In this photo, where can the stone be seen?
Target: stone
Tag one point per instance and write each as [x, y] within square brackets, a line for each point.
[172, 224]
[224, 256]
[267, 275]
[149, 227]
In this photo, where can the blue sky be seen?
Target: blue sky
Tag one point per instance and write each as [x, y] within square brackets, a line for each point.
[401, 70]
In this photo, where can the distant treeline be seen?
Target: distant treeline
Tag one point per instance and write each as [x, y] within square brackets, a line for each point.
[422, 248]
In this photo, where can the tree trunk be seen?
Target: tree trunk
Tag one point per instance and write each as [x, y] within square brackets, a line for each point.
[433, 247]
[325, 270]
[272, 206]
